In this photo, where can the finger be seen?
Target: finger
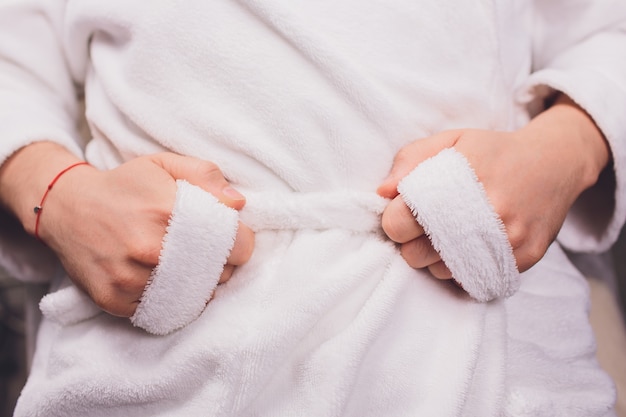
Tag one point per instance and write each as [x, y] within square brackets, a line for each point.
[440, 270]
[528, 254]
[243, 247]
[226, 273]
[204, 174]
[412, 155]
[121, 297]
[419, 253]
[399, 223]
[126, 310]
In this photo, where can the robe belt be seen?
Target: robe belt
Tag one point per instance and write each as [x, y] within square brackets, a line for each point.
[348, 210]
[443, 193]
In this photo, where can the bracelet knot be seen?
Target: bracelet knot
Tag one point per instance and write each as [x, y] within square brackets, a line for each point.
[38, 209]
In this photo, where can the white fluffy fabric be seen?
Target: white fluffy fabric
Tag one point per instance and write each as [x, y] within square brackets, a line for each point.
[68, 306]
[451, 205]
[303, 106]
[200, 235]
[344, 209]
[292, 329]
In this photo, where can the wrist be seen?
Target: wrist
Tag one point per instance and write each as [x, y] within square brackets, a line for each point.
[572, 140]
[592, 142]
[26, 175]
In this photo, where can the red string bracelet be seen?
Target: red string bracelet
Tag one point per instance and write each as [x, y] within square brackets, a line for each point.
[39, 208]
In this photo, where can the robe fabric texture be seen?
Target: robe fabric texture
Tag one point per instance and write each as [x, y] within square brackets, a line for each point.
[303, 106]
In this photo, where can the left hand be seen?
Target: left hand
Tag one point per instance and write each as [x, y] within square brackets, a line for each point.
[531, 177]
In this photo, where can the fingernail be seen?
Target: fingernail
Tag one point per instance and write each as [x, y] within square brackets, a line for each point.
[230, 192]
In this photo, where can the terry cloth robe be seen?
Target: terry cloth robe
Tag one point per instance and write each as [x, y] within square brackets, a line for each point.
[303, 105]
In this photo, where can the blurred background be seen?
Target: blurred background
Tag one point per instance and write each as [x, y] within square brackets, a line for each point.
[13, 318]
[12, 342]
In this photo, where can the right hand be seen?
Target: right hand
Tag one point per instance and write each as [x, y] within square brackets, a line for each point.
[531, 176]
[107, 226]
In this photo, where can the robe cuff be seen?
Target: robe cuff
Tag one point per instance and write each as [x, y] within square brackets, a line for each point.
[596, 218]
[198, 241]
[450, 203]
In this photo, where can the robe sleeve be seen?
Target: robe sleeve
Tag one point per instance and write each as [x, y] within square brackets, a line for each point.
[579, 48]
[38, 101]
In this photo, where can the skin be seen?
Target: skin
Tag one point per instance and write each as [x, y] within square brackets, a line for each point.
[111, 241]
[532, 177]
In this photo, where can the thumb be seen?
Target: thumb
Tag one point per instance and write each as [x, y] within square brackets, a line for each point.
[412, 155]
[201, 173]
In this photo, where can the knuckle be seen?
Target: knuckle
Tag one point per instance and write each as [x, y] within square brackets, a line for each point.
[397, 222]
[243, 247]
[417, 253]
[102, 299]
[108, 301]
[143, 251]
[496, 203]
[440, 271]
[119, 291]
[209, 171]
[532, 254]
[129, 283]
[389, 224]
[516, 235]
[404, 155]
[226, 273]
[249, 240]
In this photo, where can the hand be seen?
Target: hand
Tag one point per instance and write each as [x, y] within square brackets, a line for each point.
[531, 177]
[107, 226]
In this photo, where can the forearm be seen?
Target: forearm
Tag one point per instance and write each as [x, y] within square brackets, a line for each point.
[25, 176]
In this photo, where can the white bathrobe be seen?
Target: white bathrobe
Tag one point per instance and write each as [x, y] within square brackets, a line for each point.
[303, 105]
